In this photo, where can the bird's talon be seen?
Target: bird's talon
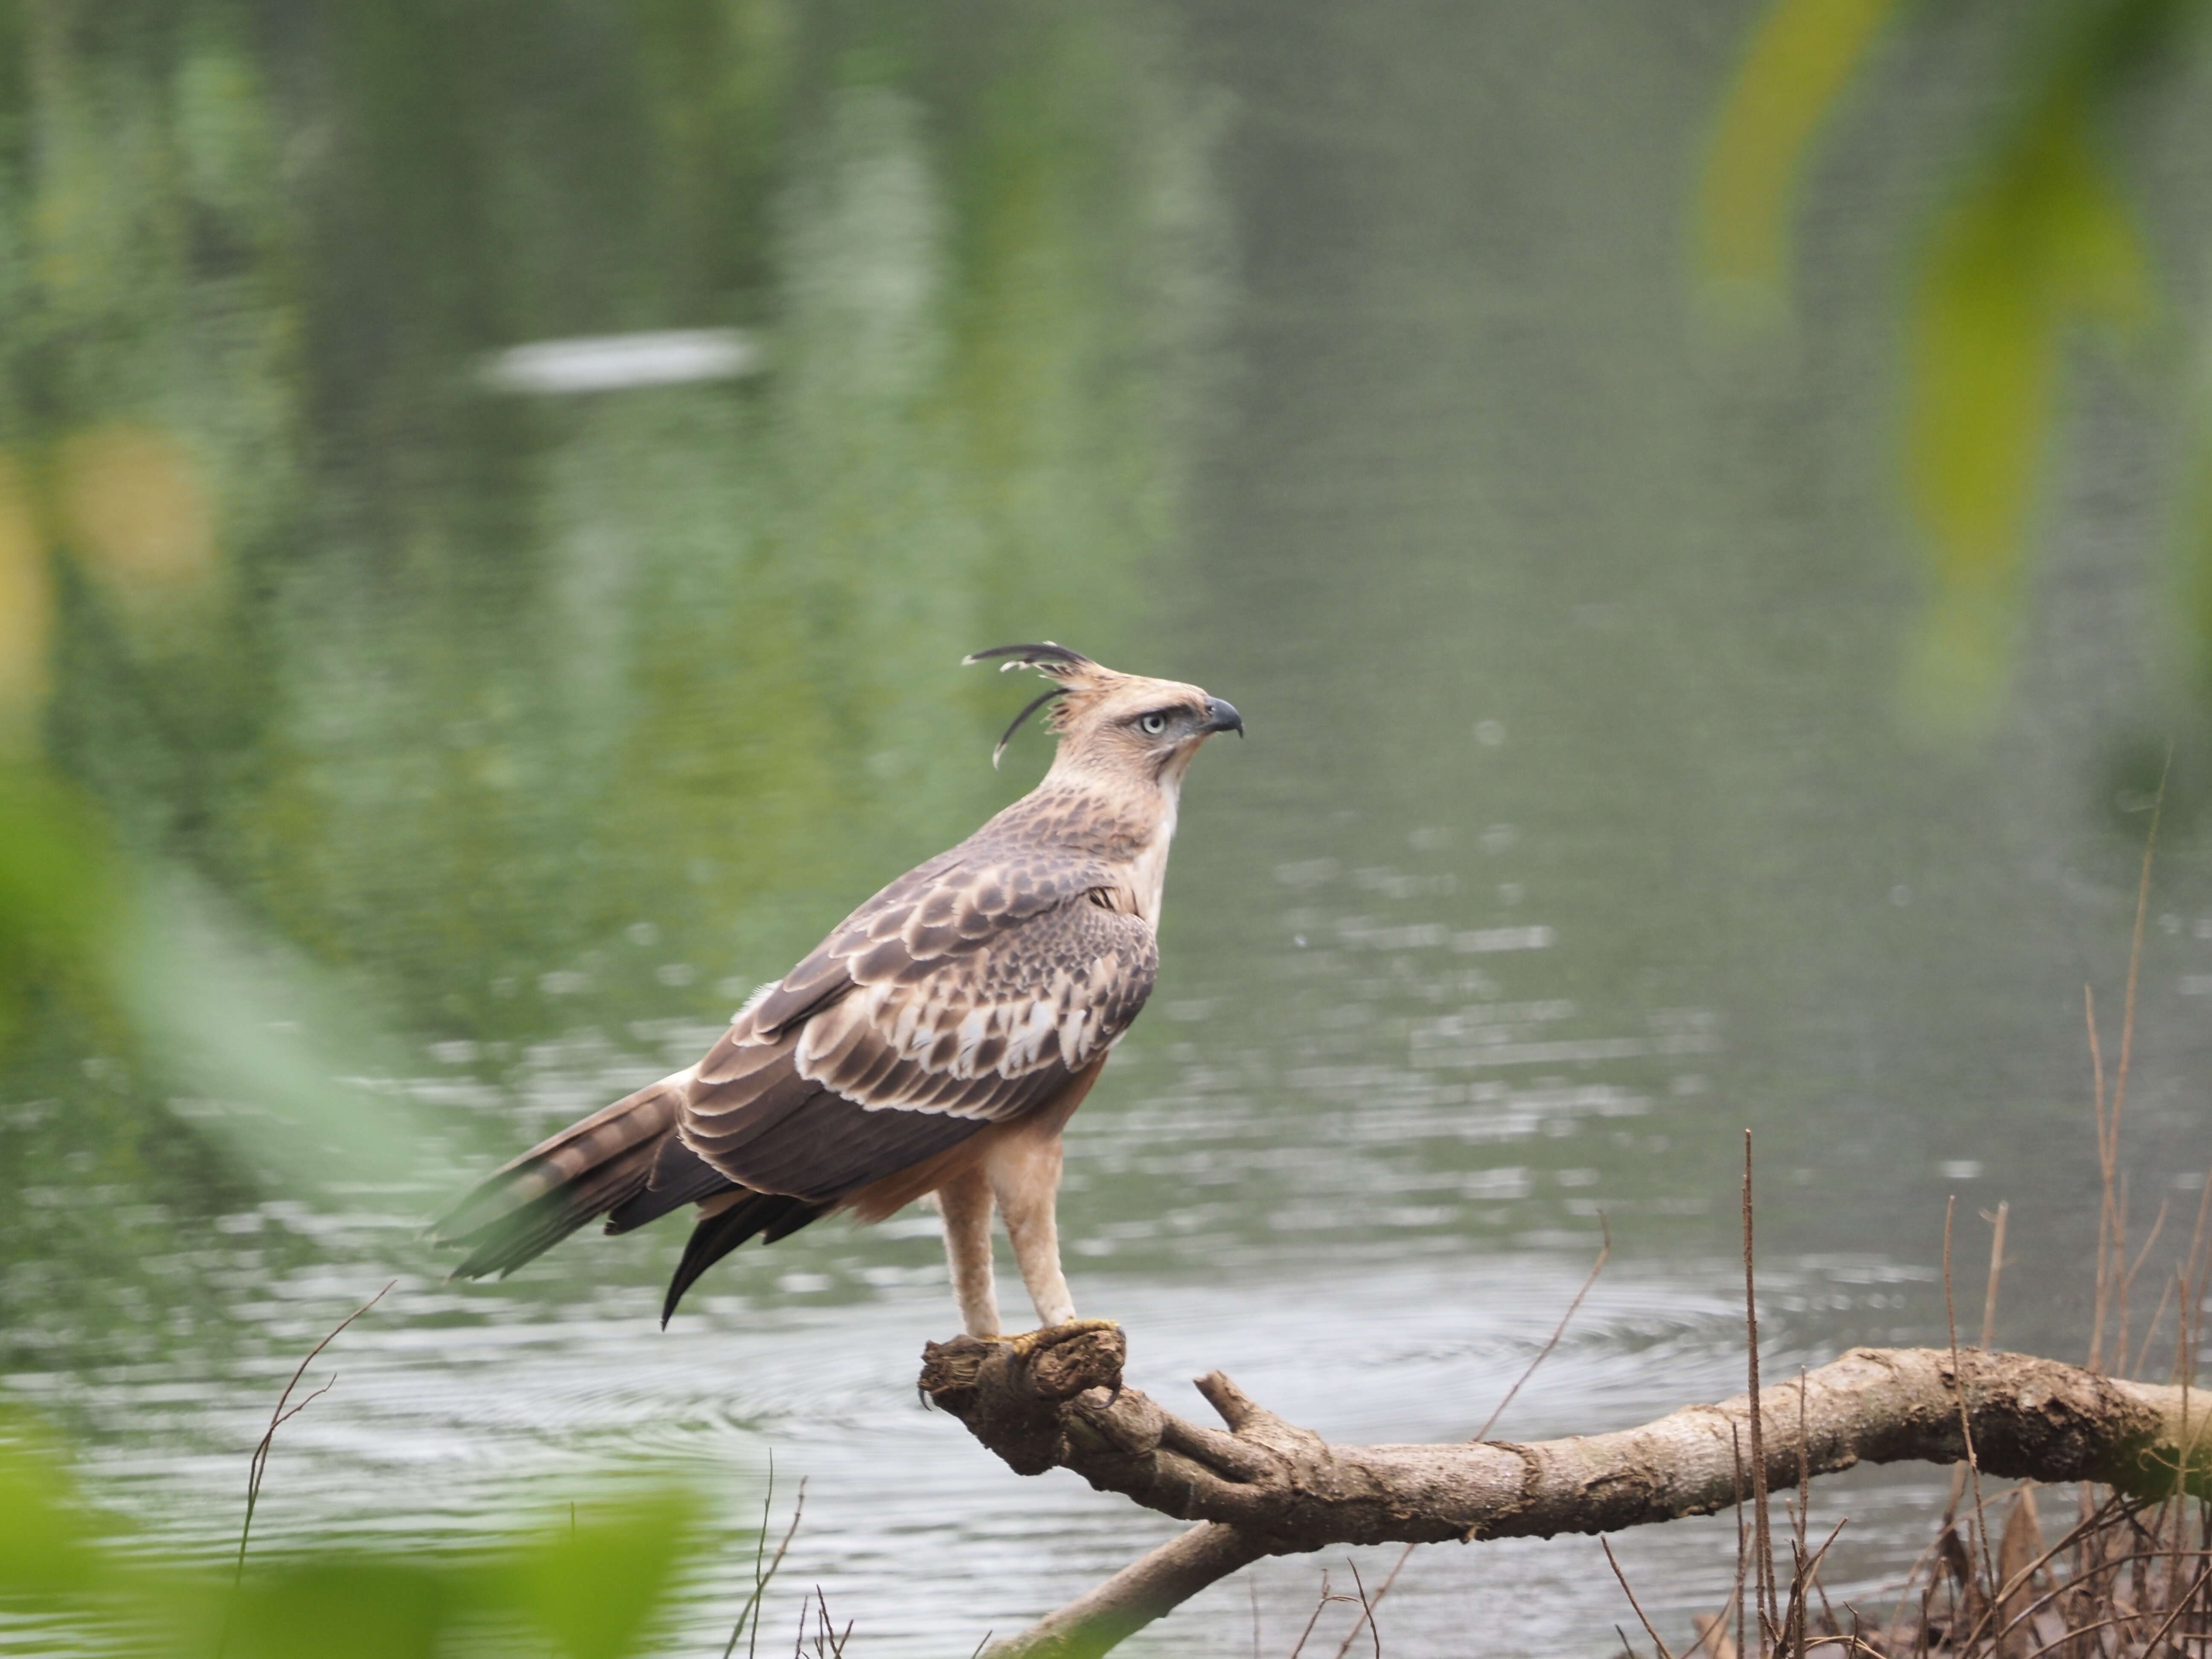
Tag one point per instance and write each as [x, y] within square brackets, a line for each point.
[1029, 1342]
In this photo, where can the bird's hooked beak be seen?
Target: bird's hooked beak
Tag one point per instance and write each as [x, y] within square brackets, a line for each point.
[1222, 717]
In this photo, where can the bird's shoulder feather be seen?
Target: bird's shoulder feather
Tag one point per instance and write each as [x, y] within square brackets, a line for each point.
[971, 988]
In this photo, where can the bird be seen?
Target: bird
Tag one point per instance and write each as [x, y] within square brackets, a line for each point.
[934, 1044]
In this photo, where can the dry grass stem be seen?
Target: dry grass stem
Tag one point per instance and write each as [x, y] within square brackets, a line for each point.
[1320, 1608]
[764, 1568]
[257, 1466]
[1763, 1540]
[1996, 1272]
[1622, 1578]
[1604, 1254]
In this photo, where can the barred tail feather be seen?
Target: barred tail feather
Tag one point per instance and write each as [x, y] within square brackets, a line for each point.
[530, 1204]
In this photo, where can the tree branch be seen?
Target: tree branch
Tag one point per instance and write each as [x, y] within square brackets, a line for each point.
[1266, 1487]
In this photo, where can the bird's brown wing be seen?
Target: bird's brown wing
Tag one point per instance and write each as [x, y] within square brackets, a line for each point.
[966, 994]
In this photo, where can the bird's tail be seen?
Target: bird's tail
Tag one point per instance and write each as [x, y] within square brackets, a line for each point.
[590, 1168]
[741, 1216]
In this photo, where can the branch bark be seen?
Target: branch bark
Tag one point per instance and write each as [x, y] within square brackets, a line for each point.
[1266, 1487]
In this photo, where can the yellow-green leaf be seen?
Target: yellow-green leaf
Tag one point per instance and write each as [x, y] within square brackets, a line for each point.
[1799, 62]
[595, 1588]
[2043, 240]
[46, 1537]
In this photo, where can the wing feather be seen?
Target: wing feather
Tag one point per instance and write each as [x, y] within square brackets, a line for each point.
[679, 1176]
[968, 992]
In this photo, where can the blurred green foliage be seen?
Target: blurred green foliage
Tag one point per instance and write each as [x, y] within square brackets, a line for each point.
[596, 1586]
[1797, 64]
[2037, 237]
[60, 896]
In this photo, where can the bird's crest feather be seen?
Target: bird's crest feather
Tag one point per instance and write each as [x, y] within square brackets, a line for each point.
[1054, 661]
[1071, 670]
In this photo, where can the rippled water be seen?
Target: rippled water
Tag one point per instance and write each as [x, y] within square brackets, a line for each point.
[1336, 361]
[908, 1526]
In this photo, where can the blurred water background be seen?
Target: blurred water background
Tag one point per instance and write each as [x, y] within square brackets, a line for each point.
[493, 496]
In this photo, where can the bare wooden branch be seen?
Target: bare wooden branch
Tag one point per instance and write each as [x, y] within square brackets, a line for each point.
[1148, 1587]
[1266, 1487]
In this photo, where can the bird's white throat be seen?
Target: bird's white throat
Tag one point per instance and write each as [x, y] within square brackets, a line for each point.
[1148, 871]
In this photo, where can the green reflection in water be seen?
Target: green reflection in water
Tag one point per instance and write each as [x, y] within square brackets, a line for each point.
[485, 718]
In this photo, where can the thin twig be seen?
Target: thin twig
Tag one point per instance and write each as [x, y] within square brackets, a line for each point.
[2057, 1591]
[1804, 1467]
[2119, 1262]
[257, 1466]
[2104, 1154]
[1812, 1568]
[2134, 949]
[1996, 1272]
[2053, 1646]
[2184, 1353]
[1604, 1254]
[1764, 1564]
[1381, 1590]
[1806, 1576]
[760, 1556]
[1366, 1611]
[2109, 1121]
[836, 1641]
[1320, 1608]
[1959, 1382]
[2157, 1319]
[2128, 1283]
[1611, 1562]
[762, 1578]
[1743, 1553]
[1710, 1627]
[2180, 1607]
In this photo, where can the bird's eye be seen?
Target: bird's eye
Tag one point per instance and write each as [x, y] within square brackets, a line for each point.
[1153, 723]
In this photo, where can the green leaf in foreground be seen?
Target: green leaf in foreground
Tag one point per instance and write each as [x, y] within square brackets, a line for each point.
[1798, 64]
[596, 1586]
[47, 1539]
[2042, 242]
[59, 893]
[347, 1607]
[599, 1589]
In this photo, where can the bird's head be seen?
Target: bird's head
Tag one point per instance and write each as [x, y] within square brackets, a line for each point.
[1123, 725]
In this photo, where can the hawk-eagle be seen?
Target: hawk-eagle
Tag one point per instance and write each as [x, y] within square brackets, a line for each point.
[936, 1042]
